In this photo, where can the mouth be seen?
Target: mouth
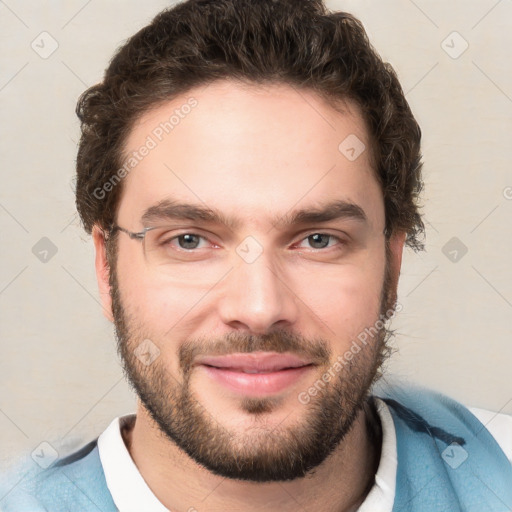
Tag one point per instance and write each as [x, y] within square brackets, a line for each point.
[251, 371]
[255, 362]
[255, 374]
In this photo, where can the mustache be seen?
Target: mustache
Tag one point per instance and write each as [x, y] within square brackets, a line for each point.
[317, 350]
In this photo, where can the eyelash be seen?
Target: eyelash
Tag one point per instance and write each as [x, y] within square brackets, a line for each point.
[340, 240]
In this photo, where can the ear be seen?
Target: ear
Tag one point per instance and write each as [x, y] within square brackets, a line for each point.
[102, 272]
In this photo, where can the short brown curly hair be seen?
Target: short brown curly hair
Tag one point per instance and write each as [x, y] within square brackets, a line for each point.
[295, 42]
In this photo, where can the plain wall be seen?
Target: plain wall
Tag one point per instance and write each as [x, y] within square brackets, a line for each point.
[60, 378]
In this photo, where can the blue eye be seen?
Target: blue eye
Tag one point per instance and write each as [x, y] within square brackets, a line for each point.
[321, 240]
[187, 241]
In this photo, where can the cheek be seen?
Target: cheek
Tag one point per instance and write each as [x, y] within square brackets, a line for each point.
[162, 309]
[347, 298]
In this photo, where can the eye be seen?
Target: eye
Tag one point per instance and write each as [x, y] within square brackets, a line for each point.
[321, 240]
[186, 241]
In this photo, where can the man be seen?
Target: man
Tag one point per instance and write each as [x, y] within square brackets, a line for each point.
[250, 173]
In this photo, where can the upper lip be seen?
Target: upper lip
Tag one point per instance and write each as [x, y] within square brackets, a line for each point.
[255, 361]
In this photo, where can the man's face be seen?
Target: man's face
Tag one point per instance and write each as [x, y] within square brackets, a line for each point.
[260, 287]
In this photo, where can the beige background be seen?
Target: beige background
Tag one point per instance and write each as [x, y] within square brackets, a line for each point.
[60, 379]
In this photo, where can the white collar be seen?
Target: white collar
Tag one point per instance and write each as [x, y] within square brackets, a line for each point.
[382, 495]
[131, 493]
[129, 490]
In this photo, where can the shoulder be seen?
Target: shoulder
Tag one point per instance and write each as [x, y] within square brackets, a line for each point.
[413, 404]
[75, 482]
[499, 425]
[446, 421]
[445, 450]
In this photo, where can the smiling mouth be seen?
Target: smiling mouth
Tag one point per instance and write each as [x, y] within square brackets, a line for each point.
[253, 371]
[253, 382]
[254, 362]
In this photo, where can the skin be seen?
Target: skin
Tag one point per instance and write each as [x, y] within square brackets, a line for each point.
[255, 153]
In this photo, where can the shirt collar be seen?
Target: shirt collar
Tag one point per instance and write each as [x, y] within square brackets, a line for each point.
[129, 490]
[382, 495]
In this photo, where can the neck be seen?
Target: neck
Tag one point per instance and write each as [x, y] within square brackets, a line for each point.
[339, 484]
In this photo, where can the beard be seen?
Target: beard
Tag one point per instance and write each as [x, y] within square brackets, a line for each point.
[264, 453]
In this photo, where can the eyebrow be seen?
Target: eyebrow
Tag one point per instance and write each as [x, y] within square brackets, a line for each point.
[169, 209]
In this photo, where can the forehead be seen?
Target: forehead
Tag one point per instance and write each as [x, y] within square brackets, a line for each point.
[249, 149]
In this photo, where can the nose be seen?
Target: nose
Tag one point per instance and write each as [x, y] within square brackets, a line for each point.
[258, 297]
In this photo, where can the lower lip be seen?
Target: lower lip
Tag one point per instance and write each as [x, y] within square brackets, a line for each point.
[256, 384]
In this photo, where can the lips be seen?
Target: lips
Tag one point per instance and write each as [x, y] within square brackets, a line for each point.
[256, 374]
[255, 362]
